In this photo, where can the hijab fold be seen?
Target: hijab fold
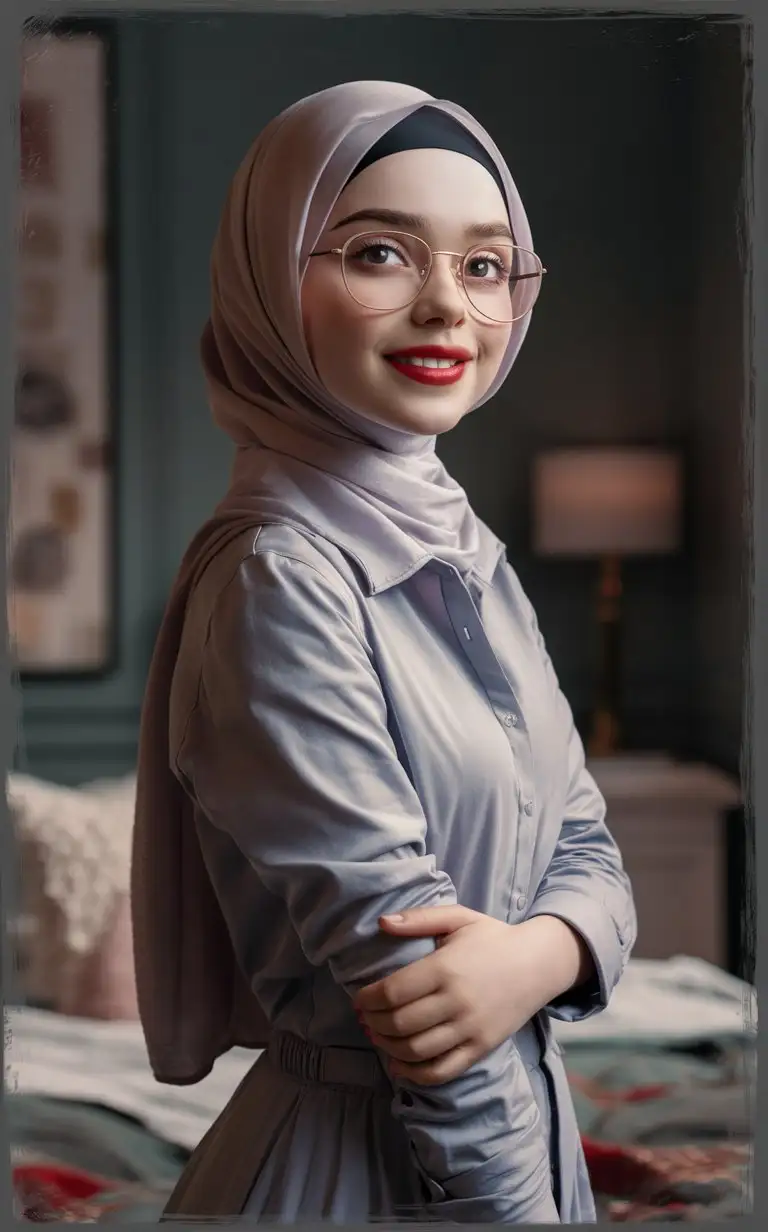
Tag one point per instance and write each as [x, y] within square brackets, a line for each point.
[299, 452]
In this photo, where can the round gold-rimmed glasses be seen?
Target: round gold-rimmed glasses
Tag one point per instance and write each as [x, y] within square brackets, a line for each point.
[387, 270]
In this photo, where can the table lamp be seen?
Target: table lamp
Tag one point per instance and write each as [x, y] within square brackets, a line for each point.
[607, 503]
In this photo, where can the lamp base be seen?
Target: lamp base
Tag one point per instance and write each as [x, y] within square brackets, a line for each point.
[605, 735]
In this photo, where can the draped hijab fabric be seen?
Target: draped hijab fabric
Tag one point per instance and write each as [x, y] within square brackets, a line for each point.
[299, 451]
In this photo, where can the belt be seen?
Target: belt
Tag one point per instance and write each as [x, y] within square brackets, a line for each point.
[361, 1067]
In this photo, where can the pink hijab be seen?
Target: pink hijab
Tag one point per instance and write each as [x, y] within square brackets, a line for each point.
[292, 437]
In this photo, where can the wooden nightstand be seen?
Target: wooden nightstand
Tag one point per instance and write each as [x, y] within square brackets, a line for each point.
[669, 820]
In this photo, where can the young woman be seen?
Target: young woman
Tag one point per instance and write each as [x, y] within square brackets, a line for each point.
[351, 714]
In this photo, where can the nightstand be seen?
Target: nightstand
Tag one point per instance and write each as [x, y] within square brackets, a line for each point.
[669, 819]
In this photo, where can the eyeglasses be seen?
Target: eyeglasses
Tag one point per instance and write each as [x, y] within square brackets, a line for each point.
[386, 271]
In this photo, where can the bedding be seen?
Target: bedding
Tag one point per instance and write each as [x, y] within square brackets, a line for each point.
[662, 1083]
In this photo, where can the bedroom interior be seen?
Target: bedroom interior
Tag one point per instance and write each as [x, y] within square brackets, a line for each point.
[625, 414]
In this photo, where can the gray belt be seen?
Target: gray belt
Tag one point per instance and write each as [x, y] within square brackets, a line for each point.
[361, 1067]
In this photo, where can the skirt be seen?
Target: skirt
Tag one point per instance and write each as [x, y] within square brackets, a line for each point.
[309, 1134]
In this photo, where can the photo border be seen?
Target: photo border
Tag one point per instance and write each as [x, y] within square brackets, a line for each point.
[755, 422]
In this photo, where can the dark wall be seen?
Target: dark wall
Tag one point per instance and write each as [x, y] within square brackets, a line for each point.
[717, 412]
[605, 126]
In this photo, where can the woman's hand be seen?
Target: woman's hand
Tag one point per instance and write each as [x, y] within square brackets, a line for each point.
[485, 980]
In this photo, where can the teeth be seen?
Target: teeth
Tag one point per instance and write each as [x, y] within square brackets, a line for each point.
[427, 363]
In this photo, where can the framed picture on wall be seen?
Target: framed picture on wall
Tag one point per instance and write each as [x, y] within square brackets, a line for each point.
[61, 571]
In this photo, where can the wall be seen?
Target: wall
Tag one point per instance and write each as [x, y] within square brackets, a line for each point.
[596, 118]
[717, 410]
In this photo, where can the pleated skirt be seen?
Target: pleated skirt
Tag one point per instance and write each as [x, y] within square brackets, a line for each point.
[309, 1135]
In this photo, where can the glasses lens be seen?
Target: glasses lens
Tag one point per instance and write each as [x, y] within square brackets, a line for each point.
[501, 281]
[385, 270]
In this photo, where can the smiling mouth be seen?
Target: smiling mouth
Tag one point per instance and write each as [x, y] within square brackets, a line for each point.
[429, 369]
[425, 361]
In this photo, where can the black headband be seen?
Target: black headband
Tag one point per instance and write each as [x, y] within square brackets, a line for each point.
[429, 129]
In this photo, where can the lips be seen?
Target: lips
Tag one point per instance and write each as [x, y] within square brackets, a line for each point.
[431, 365]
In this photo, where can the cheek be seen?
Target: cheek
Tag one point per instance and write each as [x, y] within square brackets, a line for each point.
[494, 348]
[338, 335]
[335, 335]
[498, 345]
[316, 303]
[339, 347]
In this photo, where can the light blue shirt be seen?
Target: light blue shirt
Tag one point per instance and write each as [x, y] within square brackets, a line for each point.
[365, 731]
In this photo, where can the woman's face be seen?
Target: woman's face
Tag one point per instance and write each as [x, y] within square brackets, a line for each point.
[444, 198]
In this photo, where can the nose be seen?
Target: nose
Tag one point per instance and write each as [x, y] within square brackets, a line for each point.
[440, 301]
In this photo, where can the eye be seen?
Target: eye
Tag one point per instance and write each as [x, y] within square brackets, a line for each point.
[487, 267]
[377, 253]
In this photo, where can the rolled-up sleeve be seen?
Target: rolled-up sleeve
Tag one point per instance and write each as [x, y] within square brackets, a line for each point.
[288, 751]
[585, 884]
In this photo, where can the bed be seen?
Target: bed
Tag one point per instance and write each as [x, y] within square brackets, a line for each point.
[662, 1082]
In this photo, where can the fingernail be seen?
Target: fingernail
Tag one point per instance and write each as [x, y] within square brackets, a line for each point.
[393, 919]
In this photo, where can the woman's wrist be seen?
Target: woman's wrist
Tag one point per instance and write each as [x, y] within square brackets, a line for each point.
[560, 958]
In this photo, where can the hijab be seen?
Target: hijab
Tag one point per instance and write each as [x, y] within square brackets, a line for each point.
[298, 451]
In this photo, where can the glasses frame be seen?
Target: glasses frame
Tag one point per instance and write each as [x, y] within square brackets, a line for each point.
[456, 269]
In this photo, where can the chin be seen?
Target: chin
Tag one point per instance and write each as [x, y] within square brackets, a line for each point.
[430, 419]
[434, 420]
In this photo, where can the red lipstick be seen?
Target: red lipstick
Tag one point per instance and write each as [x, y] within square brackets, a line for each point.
[449, 368]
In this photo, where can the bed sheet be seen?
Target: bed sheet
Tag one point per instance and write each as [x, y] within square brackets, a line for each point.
[665, 1111]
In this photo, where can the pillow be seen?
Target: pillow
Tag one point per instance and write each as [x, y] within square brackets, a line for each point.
[73, 926]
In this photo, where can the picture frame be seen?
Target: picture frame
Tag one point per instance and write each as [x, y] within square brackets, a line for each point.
[62, 571]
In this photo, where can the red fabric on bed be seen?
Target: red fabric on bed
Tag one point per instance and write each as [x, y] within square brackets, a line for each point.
[55, 1192]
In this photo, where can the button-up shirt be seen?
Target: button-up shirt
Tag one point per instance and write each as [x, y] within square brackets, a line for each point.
[368, 731]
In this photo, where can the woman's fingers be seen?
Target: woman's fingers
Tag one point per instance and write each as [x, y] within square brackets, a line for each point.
[428, 921]
[441, 1069]
[419, 1016]
[418, 1049]
[420, 979]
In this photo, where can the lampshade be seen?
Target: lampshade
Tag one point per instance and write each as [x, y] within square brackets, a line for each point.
[593, 502]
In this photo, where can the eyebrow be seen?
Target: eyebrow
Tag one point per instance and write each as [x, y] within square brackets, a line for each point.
[417, 222]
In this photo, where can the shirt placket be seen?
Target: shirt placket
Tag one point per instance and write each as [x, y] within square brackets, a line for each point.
[470, 633]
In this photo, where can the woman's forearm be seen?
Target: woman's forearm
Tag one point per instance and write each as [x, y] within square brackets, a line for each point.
[563, 957]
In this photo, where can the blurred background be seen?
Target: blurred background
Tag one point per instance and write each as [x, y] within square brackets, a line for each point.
[626, 140]
[611, 463]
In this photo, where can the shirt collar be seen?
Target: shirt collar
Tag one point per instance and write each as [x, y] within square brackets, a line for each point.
[385, 553]
[391, 557]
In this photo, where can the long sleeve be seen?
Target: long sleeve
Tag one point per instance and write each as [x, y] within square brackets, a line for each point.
[585, 884]
[288, 751]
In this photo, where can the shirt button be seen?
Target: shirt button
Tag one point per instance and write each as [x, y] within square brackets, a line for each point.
[528, 807]
[521, 901]
[510, 720]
